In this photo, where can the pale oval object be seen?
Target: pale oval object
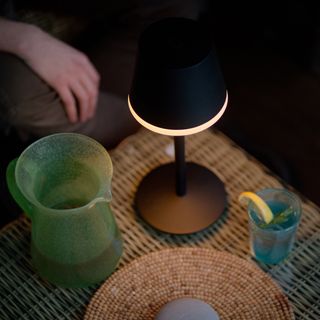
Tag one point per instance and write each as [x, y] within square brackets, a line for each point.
[187, 309]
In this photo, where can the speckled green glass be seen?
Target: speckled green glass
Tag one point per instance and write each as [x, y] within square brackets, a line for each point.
[63, 184]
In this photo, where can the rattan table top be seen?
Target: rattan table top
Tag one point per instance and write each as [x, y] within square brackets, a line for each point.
[23, 295]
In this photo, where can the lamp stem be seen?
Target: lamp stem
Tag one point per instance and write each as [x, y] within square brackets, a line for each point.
[181, 185]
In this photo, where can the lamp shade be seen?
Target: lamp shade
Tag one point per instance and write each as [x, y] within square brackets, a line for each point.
[177, 87]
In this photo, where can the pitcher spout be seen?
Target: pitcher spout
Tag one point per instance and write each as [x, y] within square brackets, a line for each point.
[98, 200]
[108, 195]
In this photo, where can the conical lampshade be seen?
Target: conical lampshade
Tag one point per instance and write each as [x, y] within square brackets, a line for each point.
[177, 88]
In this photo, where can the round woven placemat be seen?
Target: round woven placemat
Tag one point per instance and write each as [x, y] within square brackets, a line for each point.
[234, 287]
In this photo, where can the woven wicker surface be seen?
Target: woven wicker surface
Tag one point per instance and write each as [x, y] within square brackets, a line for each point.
[24, 296]
[235, 288]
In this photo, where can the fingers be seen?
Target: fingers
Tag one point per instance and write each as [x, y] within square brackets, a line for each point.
[85, 88]
[77, 82]
[69, 102]
[79, 100]
[86, 96]
[91, 89]
[79, 95]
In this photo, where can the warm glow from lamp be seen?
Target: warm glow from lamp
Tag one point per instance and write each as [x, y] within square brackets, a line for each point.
[180, 132]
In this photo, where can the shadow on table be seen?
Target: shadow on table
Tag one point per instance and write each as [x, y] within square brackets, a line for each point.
[193, 239]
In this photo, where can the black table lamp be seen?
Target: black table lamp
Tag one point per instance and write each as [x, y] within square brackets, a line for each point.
[178, 90]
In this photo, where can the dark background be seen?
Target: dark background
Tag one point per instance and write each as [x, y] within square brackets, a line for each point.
[270, 57]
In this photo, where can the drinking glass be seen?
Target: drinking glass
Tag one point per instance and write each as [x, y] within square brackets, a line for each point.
[271, 243]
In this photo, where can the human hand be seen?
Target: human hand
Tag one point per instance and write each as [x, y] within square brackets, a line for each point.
[67, 70]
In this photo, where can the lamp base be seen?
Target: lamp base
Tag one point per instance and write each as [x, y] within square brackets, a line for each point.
[159, 205]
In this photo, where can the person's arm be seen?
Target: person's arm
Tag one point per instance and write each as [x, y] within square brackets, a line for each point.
[65, 69]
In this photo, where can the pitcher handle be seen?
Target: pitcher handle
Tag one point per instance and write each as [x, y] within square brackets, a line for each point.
[24, 204]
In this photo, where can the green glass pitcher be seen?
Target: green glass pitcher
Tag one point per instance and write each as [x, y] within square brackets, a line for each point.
[63, 184]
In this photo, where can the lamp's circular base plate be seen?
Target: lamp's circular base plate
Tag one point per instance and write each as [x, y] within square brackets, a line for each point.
[160, 206]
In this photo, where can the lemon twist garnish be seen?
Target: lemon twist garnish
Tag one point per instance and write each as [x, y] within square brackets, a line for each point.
[264, 211]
